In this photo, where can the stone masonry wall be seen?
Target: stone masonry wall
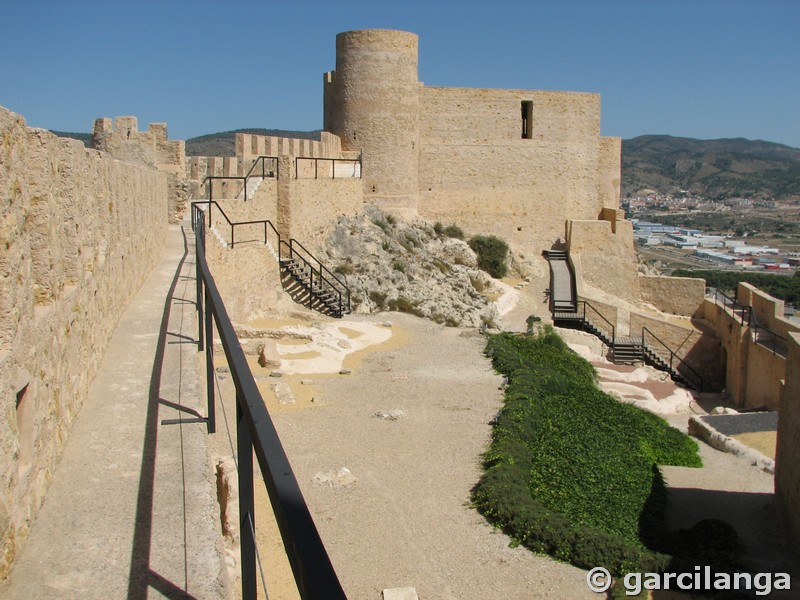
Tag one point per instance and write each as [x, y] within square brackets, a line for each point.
[607, 258]
[476, 169]
[122, 139]
[79, 233]
[676, 295]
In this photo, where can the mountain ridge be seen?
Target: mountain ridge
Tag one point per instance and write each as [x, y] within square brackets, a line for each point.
[716, 169]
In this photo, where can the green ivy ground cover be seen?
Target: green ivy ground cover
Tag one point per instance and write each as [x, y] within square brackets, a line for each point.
[571, 471]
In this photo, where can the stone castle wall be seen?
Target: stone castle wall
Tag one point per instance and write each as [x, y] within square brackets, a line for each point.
[604, 251]
[122, 139]
[79, 233]
[478, 171]
[674, 295]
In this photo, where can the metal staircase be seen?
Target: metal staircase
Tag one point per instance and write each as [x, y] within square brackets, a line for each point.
[311, 283]
[568, 311]
[303, 276]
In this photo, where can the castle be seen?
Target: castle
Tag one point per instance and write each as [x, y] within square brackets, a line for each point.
[81, 229]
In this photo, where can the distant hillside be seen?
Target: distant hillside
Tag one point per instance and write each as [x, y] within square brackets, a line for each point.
[224, 143]
[86, 138]
[716, 169]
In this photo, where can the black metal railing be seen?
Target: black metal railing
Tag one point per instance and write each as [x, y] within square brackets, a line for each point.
[769, 339]
[255, 433]
[674, 362]
[320, 275]
[266, 171]
[596, 313]
[741, 311]
[356, 164]
[761, 335]
[267, 224]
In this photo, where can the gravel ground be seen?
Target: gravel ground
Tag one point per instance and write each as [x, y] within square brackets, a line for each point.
[402, 517]
[743, 422]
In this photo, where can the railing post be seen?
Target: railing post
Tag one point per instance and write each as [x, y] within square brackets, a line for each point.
[247, 523]
[199, 288]
[210, 378]
[233, 241]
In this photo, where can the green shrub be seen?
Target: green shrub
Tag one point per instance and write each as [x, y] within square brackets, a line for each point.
[492, 253]
[382, 224]
[345, 268]
[379, 298]
[453, 231]
[403, 304]
[570, 471]
[399, 265]
[438, 228]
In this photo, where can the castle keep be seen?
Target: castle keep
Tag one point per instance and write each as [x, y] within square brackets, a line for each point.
[81, 229]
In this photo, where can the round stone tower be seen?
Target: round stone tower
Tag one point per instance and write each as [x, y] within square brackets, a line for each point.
[375, 110]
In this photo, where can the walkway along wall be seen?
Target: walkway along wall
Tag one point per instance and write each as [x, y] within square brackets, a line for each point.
[79, 233]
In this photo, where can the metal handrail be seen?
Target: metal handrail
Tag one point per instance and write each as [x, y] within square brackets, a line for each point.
[316, 159]
[244, 177]
[332, 281]
[727, 301]
[262, 160]
[755, 326]
[672, 355]
[774, 336]
[610, 324]
[255, 432]
[266, 222]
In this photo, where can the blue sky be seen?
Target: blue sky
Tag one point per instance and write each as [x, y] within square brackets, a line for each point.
[695, 68]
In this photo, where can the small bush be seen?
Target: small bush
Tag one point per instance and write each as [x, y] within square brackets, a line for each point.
[390, 219]
[345, 268]
[386, 245]
[379, 298]
[492, 253]
[453, 231]
[399, 265]
[403, 304]
[382, 224]
[438, 228]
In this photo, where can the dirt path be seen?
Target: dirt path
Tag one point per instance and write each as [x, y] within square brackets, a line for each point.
[399, 515]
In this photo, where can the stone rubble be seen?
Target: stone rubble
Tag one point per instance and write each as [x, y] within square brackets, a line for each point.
[408, 267]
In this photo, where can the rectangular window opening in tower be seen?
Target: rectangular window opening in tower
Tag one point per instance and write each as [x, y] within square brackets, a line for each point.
[527, 119]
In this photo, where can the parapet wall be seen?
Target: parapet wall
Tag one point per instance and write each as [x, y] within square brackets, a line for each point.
[79, 233]
[122, 139]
